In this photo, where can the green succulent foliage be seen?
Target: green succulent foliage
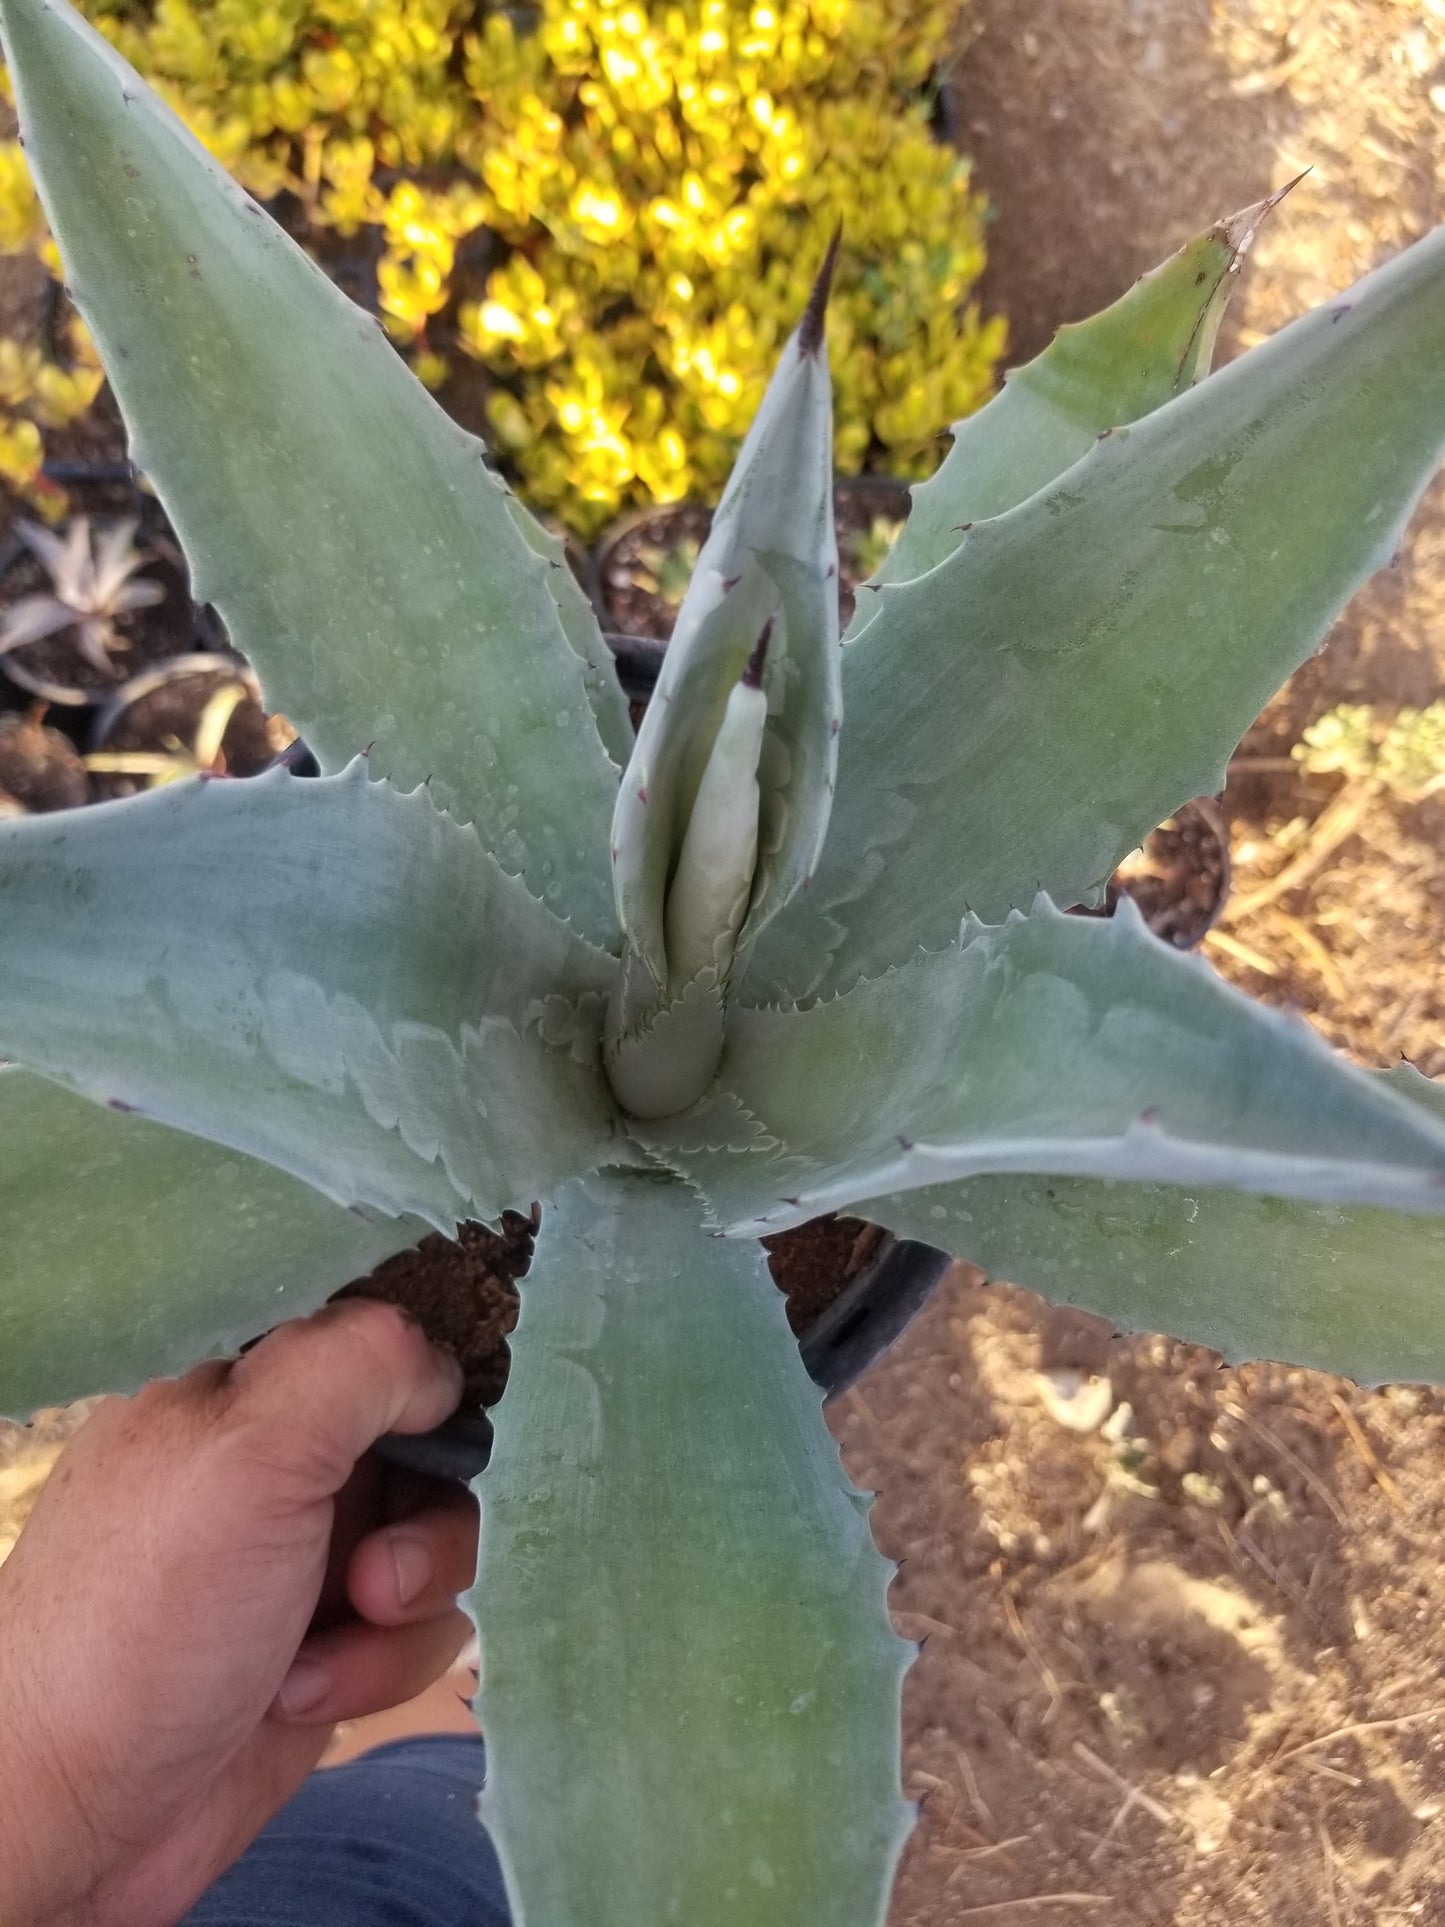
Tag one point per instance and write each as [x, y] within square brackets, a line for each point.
[1119, 628]
[1096, 375]
[149, 1248]
[267, 1033]
[683, 1360]
[346, 1003]
[1404, 754]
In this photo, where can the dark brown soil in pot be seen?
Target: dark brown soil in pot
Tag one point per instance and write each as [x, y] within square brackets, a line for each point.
[813, 1264]
[39, 767]
[1179, 878]
[464, 1294]
[169, 712]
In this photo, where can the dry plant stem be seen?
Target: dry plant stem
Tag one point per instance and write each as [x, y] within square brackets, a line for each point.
[1323, 962]
[1310, 1477]
[976, 1799]
[1359, 1726]
[1241, 952]
[1339, 819]
[1134, 1797]
[972, 1854]
[996, 1907]
[1328, 1854]
[1383, 1478]
[927, 1622]
[1036, 1660]
[1324, 1772]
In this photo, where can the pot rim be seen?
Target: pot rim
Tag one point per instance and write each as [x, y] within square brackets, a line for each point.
[848, 1335]
[869, 483]
[196, 662]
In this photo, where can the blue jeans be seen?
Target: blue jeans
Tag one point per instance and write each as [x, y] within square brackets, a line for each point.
[390, 1840]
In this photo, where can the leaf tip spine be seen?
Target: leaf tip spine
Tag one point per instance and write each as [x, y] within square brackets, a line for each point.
[810, 328]
[752, 677]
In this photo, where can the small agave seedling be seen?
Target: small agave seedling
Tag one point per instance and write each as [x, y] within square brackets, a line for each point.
[93, 582]
[802, 954]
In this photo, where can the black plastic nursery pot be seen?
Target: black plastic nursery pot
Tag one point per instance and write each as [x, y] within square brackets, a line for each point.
[40, 767]
[161, 709]
[109, 717]
[642, 561]
[863, 1314]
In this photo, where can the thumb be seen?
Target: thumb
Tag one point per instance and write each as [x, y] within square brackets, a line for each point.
[317, 1393]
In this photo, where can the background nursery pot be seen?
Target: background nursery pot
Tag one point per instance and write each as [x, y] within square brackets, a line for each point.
[40, 768]
[158, 725]
[54, 668]
[644, 561]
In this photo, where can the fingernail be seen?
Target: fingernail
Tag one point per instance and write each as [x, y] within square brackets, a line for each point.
[413, 1563]
[304, 1688]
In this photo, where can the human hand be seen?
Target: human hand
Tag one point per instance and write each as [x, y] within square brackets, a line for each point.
[215, 1573]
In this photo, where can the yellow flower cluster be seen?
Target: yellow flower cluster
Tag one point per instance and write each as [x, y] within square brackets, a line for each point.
[650, 185]
[666, 177]
[37, 393]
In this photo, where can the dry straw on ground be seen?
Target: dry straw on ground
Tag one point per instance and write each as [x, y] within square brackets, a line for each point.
[1191, 1664]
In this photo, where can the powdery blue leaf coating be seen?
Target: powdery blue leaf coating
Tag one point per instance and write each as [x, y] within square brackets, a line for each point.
[327, 975]
[347, 530]
[1025, 713]
[689, 1686]
[128, 1251]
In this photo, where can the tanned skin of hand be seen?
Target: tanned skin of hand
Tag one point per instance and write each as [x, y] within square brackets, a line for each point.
[217, 1571]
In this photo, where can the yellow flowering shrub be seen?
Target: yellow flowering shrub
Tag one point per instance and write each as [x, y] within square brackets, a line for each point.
[649, 185]
[36, 393]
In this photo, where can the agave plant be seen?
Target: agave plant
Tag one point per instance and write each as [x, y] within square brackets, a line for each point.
[801, 954]
[93, 583]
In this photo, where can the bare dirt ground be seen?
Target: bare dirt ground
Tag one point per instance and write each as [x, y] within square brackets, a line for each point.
[1188, 1669]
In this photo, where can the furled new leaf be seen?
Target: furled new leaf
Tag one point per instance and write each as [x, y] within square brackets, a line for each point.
[341, 524]
[327, 975]
[689, 1686]
[769, 564]
[128, 1251]
[1024, 714]
[1149, 346]
[1048, 1044]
